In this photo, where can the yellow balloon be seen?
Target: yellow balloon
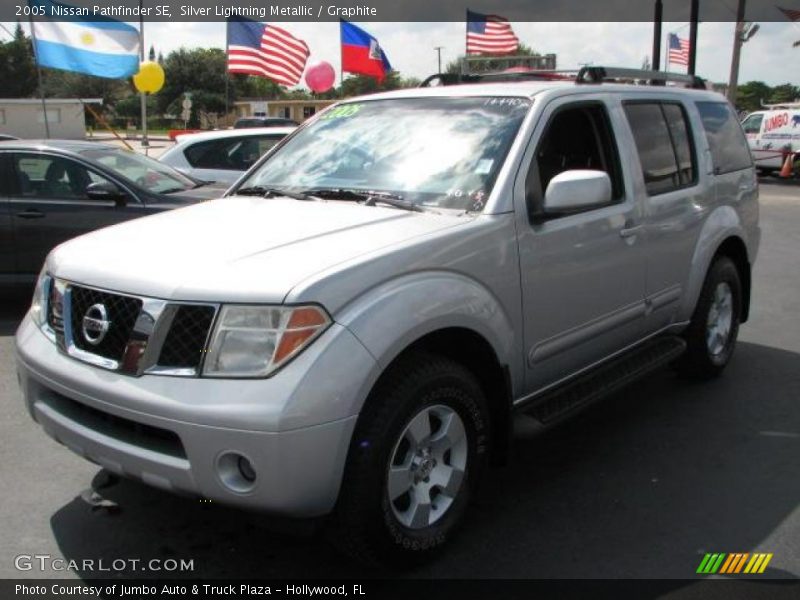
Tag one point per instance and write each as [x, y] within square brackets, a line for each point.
[150, 77]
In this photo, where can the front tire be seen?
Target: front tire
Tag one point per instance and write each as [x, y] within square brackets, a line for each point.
[417, 453]
[711, 335]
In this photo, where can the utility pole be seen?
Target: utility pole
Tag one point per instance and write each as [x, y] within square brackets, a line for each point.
[439, 55]
[733, 80]
[693, 20]
[742, 33]
[657, 19]
[143, 96]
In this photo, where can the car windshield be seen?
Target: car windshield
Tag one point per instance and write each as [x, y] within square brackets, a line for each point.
[436, 152]
[151, 175]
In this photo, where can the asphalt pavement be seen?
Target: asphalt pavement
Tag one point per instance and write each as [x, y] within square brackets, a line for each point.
[641, 485]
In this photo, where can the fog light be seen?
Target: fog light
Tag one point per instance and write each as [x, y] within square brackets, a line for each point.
[246, 469]
[236, 472]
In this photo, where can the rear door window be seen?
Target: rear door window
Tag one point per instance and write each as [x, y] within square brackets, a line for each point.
[729, 149]
[664, 142]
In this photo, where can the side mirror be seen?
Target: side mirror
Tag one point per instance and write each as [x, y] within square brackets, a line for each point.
[578, 189]
[104, 190]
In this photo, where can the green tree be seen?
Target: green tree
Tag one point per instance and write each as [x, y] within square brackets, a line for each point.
[750, 95]
[198, 71]
[784, 93]
[356, 85]
[17, 67]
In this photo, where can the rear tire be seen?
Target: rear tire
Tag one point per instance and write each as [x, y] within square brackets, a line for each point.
[711, 335]
[417, 453]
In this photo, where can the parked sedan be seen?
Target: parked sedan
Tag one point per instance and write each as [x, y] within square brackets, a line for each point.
[54, 190]
[250, 122]
[222, 156]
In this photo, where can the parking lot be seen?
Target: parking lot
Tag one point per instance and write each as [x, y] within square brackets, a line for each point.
[639, 486]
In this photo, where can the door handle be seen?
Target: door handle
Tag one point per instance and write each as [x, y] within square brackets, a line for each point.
[31, 213]
[630, 231]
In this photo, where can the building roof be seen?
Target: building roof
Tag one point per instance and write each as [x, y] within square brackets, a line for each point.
[51, 101]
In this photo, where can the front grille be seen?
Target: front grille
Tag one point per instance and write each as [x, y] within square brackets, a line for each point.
[122, 313]
[185, 343]
[133, 335]
[136, 434]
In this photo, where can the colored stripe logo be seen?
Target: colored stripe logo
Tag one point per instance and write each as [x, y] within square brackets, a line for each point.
[735, 563]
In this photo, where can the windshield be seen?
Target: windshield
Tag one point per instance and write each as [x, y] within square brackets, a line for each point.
[439, 152]
[146, 172]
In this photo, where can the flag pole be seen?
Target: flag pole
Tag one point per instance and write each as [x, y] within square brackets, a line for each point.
[41, 86]
[227, 75]
[142, 95]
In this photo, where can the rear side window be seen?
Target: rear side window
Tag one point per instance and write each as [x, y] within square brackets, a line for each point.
[729, 149]
[229, 154]
[664, 142]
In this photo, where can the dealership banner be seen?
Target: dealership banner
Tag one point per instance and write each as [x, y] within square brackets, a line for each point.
[387, 10]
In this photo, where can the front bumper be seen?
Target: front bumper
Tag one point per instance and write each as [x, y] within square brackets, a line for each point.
[179, 434]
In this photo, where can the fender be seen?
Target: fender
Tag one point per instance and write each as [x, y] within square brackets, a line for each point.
[390, 317]
[721, 224]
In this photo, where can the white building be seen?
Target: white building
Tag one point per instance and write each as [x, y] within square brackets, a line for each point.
[24, 117]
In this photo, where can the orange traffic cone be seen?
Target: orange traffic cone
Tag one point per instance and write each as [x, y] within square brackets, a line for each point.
[786, 170]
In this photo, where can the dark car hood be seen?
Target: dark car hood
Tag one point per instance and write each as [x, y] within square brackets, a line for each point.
[208, 191]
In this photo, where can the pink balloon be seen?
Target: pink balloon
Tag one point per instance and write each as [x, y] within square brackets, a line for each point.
[320, 77]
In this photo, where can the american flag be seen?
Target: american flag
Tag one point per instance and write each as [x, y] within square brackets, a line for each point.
[791, 14]
[490, 34]
[678, 50]
[266, 51]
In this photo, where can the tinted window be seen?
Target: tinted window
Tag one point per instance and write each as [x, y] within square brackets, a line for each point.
[650, 130]
[42, 176]
[729, 149]
[232, 154]
[681, 141]
[664, 141]
[577, 137]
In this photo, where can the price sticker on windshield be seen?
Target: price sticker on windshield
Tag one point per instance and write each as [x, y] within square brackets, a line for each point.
[342, 112]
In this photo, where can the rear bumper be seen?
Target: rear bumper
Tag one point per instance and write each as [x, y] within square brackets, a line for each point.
[108, 418]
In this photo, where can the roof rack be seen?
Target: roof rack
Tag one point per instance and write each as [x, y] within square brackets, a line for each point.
[592, 74]
[781, 105]
[589, 74]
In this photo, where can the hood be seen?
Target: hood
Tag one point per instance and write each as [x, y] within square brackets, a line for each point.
[236, 249]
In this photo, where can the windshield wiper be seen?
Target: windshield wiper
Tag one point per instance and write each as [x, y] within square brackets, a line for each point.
[269, 192]
[369, 198]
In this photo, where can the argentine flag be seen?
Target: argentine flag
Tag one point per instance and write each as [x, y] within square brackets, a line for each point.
[96, 46]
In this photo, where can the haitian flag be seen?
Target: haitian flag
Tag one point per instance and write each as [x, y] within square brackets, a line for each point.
[361, 53]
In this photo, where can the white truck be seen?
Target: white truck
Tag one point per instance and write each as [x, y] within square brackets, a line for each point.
[773, 134]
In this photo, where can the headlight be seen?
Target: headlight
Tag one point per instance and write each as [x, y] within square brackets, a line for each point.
[39, 303]
[255, 341]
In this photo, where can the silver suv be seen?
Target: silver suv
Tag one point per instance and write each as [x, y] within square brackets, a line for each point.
[349, 331]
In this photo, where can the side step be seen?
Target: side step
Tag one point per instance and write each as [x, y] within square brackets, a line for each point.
[606, 379]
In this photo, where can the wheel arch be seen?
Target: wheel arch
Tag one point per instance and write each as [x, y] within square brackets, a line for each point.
[723, 235]
[448, 314]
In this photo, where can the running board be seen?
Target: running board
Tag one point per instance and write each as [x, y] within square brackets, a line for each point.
[553, 405]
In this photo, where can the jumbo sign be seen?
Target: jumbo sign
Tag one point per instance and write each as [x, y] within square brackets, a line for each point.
[776, 122]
